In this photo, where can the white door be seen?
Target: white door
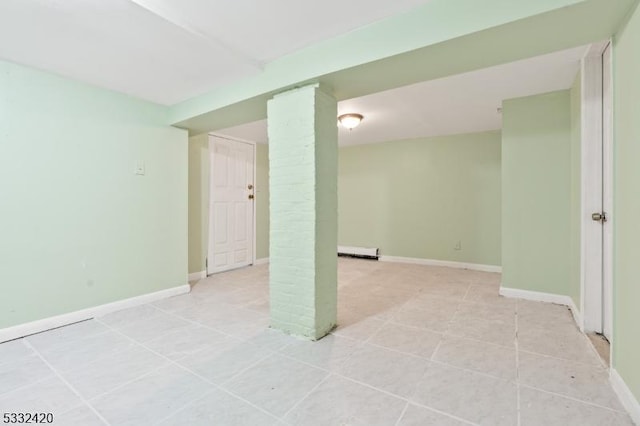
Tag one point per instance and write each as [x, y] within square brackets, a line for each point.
[597, 235]
[231, 197]
[607, 194]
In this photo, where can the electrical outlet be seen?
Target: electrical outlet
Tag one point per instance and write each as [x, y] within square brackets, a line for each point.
[140, 169]
[458, 245]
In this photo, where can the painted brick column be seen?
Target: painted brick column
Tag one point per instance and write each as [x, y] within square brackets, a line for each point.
[303, 167]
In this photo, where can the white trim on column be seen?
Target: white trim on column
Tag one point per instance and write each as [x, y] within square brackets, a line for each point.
[627, 398]
[538, 296]
[45, 324]
[197, 276]
[446, 263]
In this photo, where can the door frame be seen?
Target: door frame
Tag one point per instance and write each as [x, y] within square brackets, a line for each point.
[210, 192]
[595, 155]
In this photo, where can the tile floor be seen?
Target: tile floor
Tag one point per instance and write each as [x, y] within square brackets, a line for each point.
[415, 345]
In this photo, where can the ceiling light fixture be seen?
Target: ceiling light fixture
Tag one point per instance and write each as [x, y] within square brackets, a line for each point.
[350, 120]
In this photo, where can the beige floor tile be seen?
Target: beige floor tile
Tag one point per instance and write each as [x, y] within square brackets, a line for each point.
[391, 371]
[328, 353]
[570, 345]
[586, 382]
[488, 358]
[51, 395]
[219, 408]
[541, 408]
[421, 416]
[411, 340]
[151, 398]
[339, 401]
[490, 331]
[276, 384]
[471, 396]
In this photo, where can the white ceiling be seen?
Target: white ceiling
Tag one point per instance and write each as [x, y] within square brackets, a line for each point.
[167, 51]
[462, 103]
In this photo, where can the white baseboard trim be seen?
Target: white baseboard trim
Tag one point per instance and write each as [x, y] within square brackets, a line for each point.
[538, 296]
[196, 276]
[627, 398]
[45, 324]
[262, 261]
[446, 263]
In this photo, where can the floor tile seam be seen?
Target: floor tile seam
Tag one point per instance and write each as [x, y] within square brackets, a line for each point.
[584, 364]
[409, 354]
[182, 367]
[190, 404]
[402, 413]
[575, 399]
[70, 387]
[337, 373]
[313, 389]
[95, 360]
[432, 330]
[130, 322]
[219, 389]
[208, 327]
[480, 373]
[402, 398]
[228, 380]
[493, 344]
[22, 387]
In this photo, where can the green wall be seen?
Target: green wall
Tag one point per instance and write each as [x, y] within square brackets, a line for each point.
[262, 201]
[78, 227]
[626, 337]
[199, 201]
[536, 183]
[412, 198]
[419, 198]
[575, 289]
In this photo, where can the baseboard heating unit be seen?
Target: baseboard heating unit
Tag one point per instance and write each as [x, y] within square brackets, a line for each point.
[358, 252]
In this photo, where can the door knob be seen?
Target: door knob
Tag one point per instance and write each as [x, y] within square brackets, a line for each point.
[251, 196]
[599, 217]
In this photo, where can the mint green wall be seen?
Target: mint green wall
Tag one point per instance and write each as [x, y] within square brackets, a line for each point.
[262, 201]
[536, 184]
[199, 201]
[576, 190]
[626, 338]
[77, 227]
[418, 198]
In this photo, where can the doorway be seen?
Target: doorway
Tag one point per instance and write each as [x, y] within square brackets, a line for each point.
[231, 204]
[597, 183]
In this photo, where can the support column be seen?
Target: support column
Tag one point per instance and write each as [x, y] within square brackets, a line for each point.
[303, 168]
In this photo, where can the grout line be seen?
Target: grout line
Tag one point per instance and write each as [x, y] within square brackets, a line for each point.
[175, 363]
[337, 374]
[73, 389]
[37, 382]
[313, 389]
[404, 410]
[593, 404]
[584, 364]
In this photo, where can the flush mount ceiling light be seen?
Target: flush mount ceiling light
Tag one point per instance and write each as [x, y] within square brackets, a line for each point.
[350, 120]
